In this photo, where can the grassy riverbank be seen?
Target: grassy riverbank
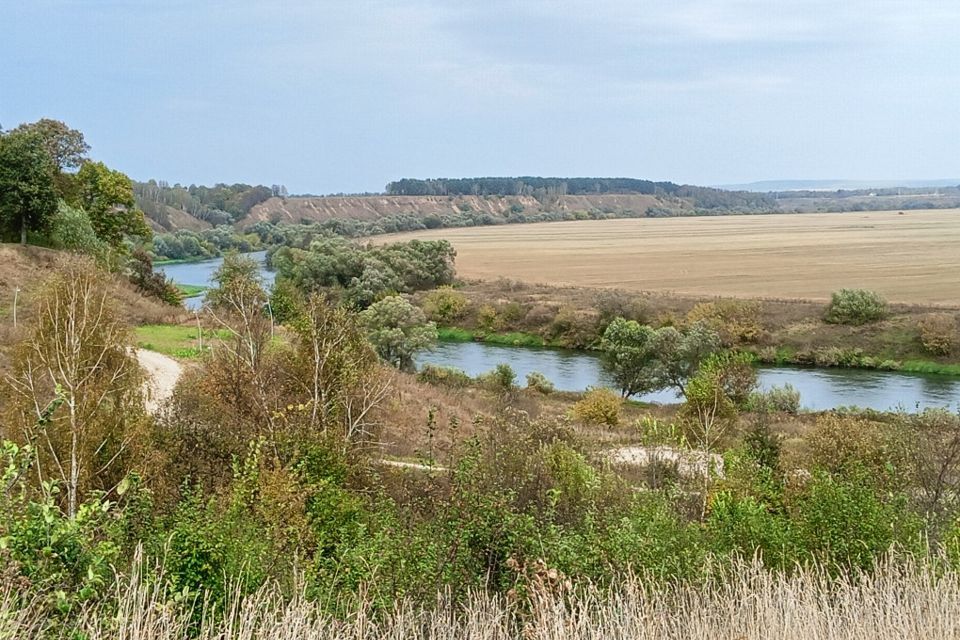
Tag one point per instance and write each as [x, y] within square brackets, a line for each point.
[779, 332]
[190, 290]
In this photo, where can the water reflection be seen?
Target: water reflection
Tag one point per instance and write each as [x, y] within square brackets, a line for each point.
[819, 388]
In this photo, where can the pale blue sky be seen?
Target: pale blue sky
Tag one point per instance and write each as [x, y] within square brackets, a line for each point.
[345, 96]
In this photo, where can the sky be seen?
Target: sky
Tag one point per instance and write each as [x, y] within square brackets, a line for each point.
[328, 97]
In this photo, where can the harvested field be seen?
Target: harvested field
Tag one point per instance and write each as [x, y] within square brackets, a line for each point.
[912, 257]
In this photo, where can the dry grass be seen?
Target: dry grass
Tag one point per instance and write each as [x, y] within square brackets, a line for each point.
[908, 258]
[897, 600]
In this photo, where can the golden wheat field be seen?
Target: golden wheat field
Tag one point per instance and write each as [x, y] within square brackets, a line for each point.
[912, 257]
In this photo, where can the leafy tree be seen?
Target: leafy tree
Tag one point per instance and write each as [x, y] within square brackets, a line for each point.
[397, 330]
[680, 353]
[630, 356]
[28, 199]
[643, 360]
[66, 148]
[107, 196]
[141, 273]
[71, 230]
[722, 383]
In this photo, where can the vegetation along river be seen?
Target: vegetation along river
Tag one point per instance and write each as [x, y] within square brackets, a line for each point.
[820, 389]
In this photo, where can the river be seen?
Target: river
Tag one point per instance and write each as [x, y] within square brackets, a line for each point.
[820, 389]
[201, 274]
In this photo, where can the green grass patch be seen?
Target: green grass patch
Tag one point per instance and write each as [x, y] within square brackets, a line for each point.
[160, 263]
[511, 339]
[925, 366]
[191, 290]
[179, 341]
[455, 334]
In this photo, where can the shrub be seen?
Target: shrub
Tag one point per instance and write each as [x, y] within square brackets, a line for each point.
[598, 406]
[616, 304]
[539, 315]
[938, 333]
[785, 399]
[734, 320]
[446, 376]
[502, 379]
[445, 304]
[856, 307]
[539, 383]
[487, 317]
[286, 301]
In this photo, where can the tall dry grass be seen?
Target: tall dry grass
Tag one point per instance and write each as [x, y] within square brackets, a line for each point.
[899, 599]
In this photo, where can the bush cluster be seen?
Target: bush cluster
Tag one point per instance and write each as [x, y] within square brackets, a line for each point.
[855, 307]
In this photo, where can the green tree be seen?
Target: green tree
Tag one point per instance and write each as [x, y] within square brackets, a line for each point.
[643, 360]
[71, 230]
[681, 353]
[27, 196]
[107, 196]
[397, 330]
[630, 357]
[66, 148]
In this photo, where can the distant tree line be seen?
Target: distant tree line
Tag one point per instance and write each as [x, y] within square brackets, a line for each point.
[544, 188]
[219, 204]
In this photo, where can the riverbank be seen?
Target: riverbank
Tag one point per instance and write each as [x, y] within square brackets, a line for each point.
[776, 332]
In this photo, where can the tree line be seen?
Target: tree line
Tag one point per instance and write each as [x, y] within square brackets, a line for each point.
[543, 188]
[219, 204]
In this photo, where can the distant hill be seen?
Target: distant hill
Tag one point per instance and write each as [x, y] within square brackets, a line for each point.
[410, 204]
[767, 186]
[471, 210]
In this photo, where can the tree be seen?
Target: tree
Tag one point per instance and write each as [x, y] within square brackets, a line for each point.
[71, 230]
[65, 146]
[338, 370]
[79, 352]
[66, 149]
[679, 353]
[107, 197]
[643, 360]
[713, 393]
[28, 199]
[630, 357]
[397, 330]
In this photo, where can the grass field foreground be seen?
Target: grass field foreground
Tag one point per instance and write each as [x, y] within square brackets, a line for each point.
[894, 601]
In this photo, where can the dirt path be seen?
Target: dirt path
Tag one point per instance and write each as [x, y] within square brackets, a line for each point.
[162, 375]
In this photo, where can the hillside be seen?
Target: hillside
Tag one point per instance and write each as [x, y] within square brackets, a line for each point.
[320, 209]
[24, 269]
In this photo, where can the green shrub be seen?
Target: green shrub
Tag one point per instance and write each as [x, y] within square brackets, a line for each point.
[539, 383]
[445, 376]
[445, 305]
[855, 307]
[785, 399]
[502, 379]
[599, 406]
